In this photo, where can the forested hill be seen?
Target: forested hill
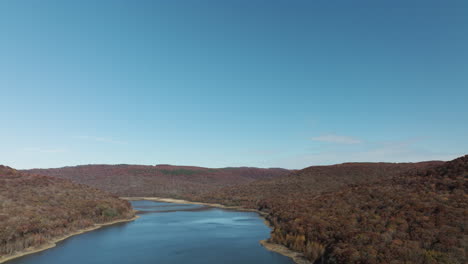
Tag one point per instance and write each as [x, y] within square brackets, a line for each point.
[36, 209]
[160, 180]
[311, 181]
[418, 216]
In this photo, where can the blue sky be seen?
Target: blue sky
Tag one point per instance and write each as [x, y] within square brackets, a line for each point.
[232, 83]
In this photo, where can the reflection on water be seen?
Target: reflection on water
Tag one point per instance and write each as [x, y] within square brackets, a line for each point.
[168, 233]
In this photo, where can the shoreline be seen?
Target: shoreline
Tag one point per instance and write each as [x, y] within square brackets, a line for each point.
[53, 242]
[297, 257]
[170, 200]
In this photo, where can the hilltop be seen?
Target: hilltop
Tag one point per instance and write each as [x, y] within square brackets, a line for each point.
[311, 181]
[160, 180]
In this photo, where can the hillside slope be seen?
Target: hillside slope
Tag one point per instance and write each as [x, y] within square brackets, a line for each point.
[311, 181]
[161, 180]
[416, 216]
[35, 210]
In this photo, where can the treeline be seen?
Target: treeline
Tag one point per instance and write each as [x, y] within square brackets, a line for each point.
[35, 209]
[415, 214]
[160, 180]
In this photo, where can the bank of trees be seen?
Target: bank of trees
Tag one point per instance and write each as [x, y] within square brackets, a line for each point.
[310, 182]
[412, 215]
[348, 213]
[35, 209]
[161, 180]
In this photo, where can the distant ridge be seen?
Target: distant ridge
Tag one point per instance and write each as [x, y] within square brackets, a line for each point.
[161, 180]
[312, 181]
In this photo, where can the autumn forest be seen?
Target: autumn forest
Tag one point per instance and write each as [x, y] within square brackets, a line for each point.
[345, 213]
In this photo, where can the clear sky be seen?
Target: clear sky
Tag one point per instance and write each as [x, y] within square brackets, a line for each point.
[228, 83]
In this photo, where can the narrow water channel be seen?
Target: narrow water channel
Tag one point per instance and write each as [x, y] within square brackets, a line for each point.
[168, 233]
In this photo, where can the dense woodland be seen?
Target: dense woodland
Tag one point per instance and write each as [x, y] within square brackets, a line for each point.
[346, 213]
[417, 216]
[35, 209]
[310, 182]
[160, 180]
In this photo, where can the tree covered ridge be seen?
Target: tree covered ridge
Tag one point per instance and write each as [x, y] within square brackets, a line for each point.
[311, 181]
[160, 180]
[417, 216]
[36, 209]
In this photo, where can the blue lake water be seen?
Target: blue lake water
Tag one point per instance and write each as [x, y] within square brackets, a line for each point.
[168, 233]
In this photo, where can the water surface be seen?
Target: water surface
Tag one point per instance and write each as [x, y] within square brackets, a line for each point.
[168, 233]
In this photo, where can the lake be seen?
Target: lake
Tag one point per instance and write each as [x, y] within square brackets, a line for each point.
[168, 233]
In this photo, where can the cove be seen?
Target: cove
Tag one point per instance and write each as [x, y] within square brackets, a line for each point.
[168, 233]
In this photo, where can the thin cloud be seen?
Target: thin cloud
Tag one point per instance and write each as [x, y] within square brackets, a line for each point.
[375, 155]
[45, 150]
[330, 138]
[263, 152]
[384, 151]
[102, 139]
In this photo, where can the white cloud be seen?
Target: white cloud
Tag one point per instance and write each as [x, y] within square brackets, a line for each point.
[330, 138]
